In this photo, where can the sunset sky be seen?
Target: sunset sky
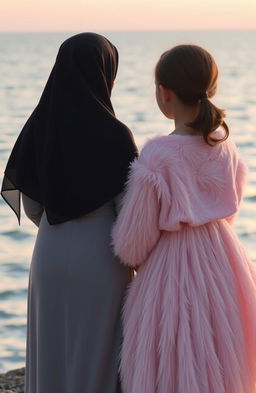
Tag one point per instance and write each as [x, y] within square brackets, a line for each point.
[112, 15]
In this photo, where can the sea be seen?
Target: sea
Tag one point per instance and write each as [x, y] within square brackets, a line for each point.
[26, 60]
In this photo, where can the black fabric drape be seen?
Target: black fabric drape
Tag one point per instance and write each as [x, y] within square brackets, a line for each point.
[73, 154]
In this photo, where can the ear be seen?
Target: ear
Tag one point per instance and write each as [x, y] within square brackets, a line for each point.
[165, 94]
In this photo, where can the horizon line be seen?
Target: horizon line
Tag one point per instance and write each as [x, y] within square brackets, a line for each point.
[129, 30]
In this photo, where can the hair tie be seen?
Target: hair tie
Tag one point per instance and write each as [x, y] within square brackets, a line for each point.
[201, 96]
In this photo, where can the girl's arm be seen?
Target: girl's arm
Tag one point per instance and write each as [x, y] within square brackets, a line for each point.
[136, 230]
[33, 209]
[240, 179]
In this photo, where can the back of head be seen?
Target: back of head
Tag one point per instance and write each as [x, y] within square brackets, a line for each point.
[191, 72]
[93, 57]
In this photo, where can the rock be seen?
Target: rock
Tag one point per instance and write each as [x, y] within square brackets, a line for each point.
[12, 381]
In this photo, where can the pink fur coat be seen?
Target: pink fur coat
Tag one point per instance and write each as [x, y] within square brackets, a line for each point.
[190, 314]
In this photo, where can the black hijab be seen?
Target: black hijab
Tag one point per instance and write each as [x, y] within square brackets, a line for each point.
[73, 154]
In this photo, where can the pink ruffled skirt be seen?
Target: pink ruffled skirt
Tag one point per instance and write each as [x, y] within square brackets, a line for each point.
[190, 316]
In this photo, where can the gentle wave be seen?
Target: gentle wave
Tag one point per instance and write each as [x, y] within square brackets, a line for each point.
[12, 293]
[5, 315]
[250, 198]
[16, 234]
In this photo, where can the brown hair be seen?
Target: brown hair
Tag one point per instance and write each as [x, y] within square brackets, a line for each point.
[191, 72]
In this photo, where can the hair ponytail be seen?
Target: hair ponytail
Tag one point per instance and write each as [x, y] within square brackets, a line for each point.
[209, 118]
[191, 72]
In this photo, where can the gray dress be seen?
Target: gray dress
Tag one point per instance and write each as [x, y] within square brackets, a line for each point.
[75, 294]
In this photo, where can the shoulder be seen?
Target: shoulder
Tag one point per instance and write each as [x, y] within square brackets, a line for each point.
[149, 168]
[158, 152]
[231, 146]
[122, 136]
[234, 151]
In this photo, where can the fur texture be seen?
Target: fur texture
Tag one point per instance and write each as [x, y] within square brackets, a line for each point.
[190, 314]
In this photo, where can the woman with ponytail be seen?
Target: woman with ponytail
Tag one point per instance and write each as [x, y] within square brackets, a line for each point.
[190, 314]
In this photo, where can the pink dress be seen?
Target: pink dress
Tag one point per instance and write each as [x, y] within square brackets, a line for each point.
[190, 313]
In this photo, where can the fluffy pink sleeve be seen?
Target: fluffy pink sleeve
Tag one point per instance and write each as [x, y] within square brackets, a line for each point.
[136, 230]
[240, 181]
[241, 178]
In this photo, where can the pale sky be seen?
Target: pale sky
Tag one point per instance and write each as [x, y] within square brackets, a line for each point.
[112, 15]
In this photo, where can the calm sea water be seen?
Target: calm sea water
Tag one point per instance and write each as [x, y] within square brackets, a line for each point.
[25, 63]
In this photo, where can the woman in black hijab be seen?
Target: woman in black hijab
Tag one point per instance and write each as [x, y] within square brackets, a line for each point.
[70, 163]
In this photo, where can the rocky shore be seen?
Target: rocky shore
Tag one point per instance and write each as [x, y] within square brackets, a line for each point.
[12, 381]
